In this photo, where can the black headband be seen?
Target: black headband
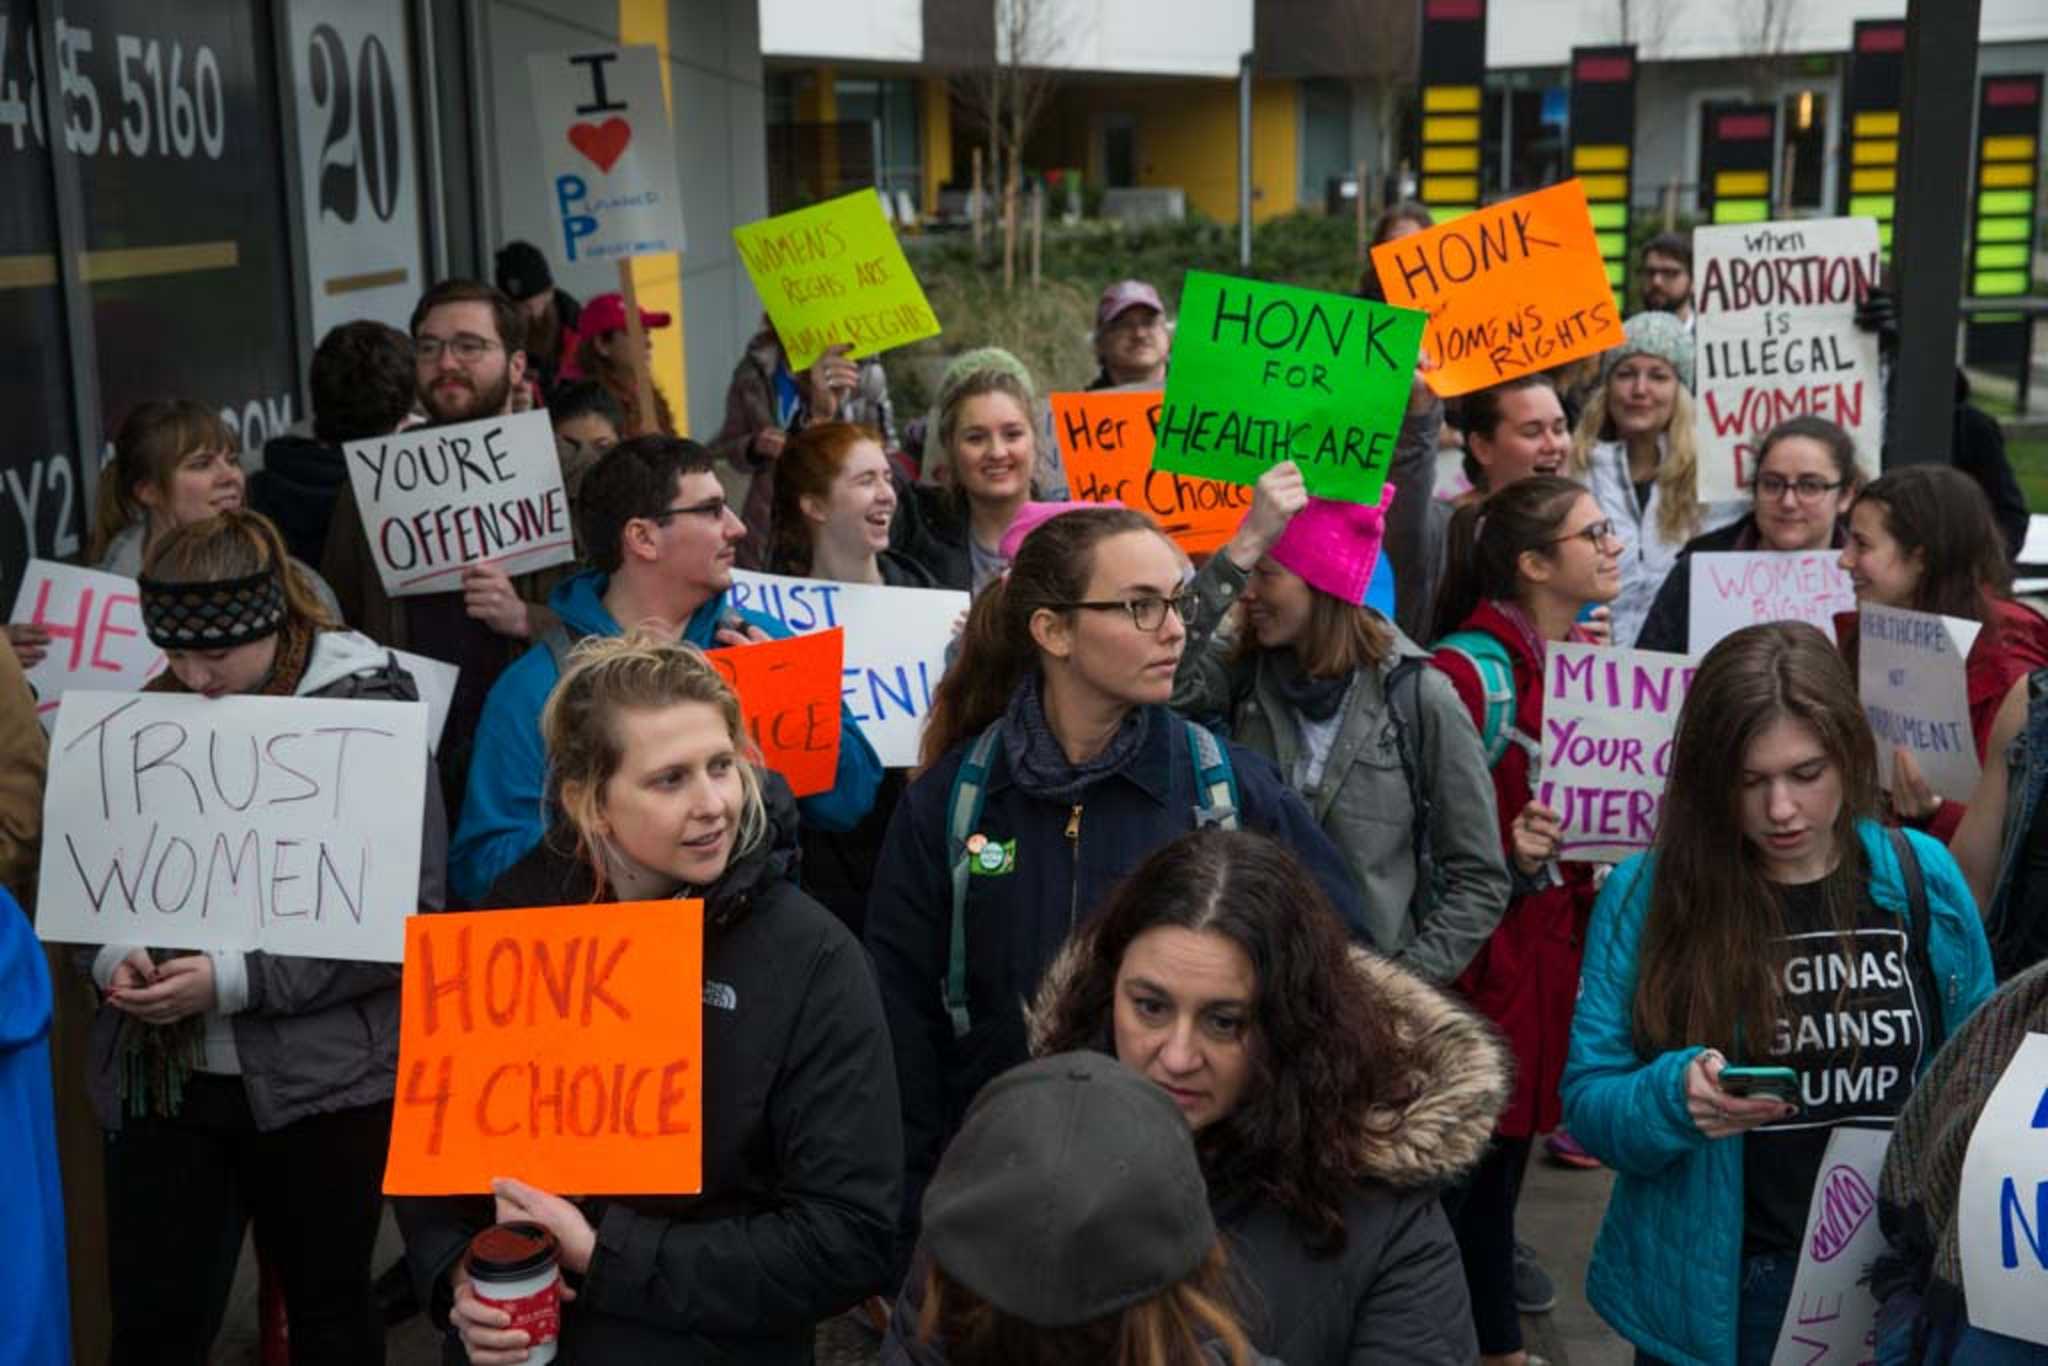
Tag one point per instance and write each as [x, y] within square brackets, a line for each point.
[215, 615]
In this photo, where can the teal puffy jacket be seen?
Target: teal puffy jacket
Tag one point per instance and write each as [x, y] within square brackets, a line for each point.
[1667, 1264]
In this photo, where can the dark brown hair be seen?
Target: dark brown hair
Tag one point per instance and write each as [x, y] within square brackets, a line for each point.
[810, 462]
[1840, 446]
[1479, 414]
[236, 545]
[1708, 969]
[1318, 1049]
[1488, 539]
[1183, 1325]
[510, 320]
[997, 651]
[1939, 512]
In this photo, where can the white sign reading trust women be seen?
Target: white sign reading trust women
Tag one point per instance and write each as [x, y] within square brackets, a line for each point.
[290, 824]
[896, 641]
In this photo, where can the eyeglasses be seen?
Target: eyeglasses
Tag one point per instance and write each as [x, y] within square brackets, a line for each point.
[711, 508]
[467, 346]
[1807, 488]
[1146, 613]
[1596, 535]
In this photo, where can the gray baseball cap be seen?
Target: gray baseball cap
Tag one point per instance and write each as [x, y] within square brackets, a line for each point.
[1071, 1192]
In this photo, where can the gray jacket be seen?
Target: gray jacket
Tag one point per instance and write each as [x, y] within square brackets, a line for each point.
[310, 1035]
[1362, 799]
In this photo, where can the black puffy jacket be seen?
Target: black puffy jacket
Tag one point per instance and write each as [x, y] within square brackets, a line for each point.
[802, 1146]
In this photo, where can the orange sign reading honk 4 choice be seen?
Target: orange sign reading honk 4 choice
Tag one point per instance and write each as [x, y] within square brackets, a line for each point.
[561, 1045]
[1512, 288]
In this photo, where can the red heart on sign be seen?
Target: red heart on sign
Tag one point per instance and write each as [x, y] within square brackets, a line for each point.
[604, 143]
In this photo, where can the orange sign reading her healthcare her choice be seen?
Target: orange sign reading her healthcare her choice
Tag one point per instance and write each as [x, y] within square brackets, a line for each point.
[789, 699]
[561, 1045]
[1106, 443]
[1512, 288]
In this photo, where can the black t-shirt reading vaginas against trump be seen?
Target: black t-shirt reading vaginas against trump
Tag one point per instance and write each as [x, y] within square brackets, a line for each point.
[1851, 1023]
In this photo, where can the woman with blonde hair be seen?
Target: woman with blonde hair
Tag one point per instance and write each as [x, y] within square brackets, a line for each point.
[988, 450]
[224, 1078]
[661, 797]
[1634, 448]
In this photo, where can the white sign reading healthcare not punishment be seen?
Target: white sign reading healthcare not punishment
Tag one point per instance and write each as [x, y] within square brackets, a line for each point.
[1910, 672]
[436, 500]
[896, 641]
[289, 824]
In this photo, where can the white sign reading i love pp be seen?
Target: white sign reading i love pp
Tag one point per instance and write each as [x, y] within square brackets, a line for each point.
[607, 152]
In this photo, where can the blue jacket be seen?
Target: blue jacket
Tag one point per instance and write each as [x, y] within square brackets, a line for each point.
[1017, 920]
[504, 809]
[1667, 1264]
[34, 1295]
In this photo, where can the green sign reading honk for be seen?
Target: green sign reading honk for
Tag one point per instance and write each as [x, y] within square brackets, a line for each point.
[1263, 373]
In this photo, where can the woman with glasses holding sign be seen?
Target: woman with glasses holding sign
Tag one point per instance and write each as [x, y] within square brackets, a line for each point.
[1777, 926]
[1806, 477]
[1052, 767]
[659, 798]
[236, 1086]
[1523, 566]
[1923, 538]
[1635, 449]
[1376, 742]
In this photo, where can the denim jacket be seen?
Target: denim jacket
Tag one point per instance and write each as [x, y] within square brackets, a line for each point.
[2018, 939]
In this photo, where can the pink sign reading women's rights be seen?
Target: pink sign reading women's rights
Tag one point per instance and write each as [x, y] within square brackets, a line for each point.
[1608, 719]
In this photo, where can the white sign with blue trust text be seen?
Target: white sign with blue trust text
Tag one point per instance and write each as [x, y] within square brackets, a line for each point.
[896, 640]
[2002, 1211]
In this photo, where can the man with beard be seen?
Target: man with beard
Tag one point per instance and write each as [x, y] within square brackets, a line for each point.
[551, 314]
[1666, 276]
[468, 364]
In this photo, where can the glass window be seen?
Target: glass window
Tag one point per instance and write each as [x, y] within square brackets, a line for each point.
[1802, 167]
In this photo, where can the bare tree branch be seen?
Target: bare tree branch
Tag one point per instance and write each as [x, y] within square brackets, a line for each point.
[1005, 98]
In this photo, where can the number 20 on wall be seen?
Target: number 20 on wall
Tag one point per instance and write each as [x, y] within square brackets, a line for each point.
[359, 150]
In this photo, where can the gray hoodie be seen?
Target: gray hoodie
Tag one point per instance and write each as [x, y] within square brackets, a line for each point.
[307, 1035]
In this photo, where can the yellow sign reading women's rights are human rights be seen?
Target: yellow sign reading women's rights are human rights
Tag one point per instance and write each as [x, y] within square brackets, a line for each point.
[835, 274]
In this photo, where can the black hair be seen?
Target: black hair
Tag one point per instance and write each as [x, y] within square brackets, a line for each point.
[362, 381]
[511, 321]
[584, 398]
[635, 478]
[1675, 245]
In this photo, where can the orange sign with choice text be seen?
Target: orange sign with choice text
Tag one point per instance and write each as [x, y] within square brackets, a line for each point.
[789, 700]
[1106, 443]
[560, 1045]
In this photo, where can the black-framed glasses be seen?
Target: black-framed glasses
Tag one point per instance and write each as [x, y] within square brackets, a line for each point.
[467, 347]
[712, 508]
[1146, 613]
[1596, 535]
[1807, 488]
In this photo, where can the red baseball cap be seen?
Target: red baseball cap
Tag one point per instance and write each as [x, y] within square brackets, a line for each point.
[1122, 297]
[607, 313]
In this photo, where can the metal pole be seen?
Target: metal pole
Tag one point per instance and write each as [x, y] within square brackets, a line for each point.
[81, 344]
[1935, 120]
[427, 87]
[1244, 161]
[483, 133]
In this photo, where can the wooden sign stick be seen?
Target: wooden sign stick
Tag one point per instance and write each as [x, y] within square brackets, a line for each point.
[636, 354]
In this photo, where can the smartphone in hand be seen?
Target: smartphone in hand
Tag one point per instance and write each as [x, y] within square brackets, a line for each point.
[1779, 1083]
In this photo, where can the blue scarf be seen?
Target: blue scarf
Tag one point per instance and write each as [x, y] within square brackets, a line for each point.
[1037, 759]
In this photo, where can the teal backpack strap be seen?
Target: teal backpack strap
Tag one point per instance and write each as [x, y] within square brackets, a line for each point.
[963, 813]
[1497, 685]
[1216, 800]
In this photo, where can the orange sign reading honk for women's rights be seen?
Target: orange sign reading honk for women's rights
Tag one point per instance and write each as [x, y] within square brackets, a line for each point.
[561, 1045]
[1512, 288]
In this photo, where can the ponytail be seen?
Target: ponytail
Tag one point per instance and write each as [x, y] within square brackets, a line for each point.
[234, 545]
[1487, 540]
[997, 652]
[112, 511]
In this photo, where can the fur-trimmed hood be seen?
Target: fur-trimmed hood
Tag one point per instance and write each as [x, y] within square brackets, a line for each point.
[1456, 1065]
